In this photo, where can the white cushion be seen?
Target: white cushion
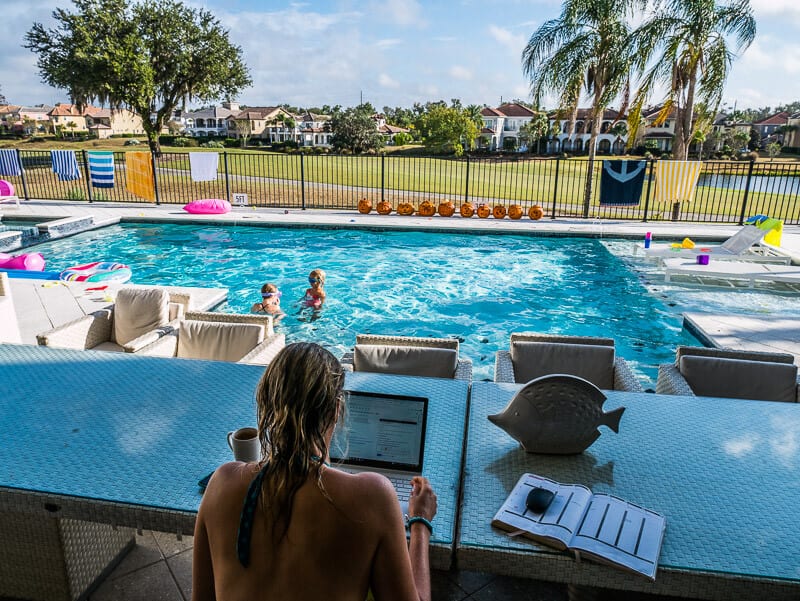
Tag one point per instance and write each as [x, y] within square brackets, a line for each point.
[591, 362]
[739, 378]
[405, 360]
[217, 341]
[138, 311]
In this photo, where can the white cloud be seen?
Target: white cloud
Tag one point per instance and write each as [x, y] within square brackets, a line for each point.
[388, 43]
[512, 41]
[459, 72]
[399, 12]
[782, 8]
[387, 82]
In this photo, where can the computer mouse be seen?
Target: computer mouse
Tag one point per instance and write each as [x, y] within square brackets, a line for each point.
[539, 499]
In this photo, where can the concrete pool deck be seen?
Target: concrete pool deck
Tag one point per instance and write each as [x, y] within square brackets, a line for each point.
[741, 330]
[159, 567]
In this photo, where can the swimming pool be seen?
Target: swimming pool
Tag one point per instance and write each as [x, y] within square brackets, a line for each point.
[476, 287]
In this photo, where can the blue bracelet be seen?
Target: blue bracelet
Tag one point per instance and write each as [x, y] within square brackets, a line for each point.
[420, 520]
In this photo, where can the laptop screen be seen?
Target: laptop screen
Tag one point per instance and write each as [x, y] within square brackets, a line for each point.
[381, 430]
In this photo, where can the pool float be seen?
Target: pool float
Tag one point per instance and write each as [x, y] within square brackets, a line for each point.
[99, 271]
[26, 261]
[208, 206]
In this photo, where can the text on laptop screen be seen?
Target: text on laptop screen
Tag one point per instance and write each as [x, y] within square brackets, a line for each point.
[381, 431]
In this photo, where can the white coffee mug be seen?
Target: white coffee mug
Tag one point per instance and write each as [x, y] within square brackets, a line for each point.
[245, 444]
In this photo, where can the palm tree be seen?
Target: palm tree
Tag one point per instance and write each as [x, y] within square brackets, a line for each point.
[685, 44]
[585, 48]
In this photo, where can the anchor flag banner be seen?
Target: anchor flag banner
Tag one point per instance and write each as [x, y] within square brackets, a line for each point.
[139, 178]
[622, 182]
[101, 168]
[676, 180]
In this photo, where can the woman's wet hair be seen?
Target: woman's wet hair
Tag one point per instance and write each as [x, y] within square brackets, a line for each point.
[299, 399]
[268, 288]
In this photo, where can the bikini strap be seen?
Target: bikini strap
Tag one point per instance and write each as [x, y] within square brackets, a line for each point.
[245, 534]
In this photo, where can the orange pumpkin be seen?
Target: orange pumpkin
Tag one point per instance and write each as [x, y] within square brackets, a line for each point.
[447, 208]
[426, 209]
[499, 211]
[483, 210]
[515, 212]
[384, 207]
[535, 212]
[364, 206]
[405, 208]
[467, 210]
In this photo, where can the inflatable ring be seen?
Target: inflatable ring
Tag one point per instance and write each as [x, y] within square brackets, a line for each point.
[99, 271]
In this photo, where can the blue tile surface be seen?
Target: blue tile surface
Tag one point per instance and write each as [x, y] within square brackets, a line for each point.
[144, 430]
[724, 472]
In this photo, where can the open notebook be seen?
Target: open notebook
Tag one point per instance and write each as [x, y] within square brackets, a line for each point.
[382, 433]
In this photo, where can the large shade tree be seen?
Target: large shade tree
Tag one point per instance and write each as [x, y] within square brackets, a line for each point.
[149, 57]
[584, 50]
[689, 46]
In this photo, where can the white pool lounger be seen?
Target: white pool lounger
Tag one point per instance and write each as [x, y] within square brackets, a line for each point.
[732, 270]
[744, 245]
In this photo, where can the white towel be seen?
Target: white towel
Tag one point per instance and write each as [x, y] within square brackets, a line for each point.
[204, 166]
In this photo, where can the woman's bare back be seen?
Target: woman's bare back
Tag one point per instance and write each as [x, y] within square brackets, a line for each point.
[333, 549]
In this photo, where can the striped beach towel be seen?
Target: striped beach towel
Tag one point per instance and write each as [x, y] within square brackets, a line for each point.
[676, 180]
[65, 165]
[139, 175]
[101, 168]
[9, 162]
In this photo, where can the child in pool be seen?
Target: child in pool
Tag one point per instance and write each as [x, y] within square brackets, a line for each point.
[270, 301]
[315, 295]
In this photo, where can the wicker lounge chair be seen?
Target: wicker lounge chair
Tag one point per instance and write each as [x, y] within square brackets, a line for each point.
[727, 373]
[744, 245]
[594, 359]
[9, 328]
[138, 317]
[243, 342]
[404, 355]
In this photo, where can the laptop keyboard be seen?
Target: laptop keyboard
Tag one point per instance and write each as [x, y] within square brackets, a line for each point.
[402, 486]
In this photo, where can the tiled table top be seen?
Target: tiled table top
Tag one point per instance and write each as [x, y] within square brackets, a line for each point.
[141, 431]
[724, 472]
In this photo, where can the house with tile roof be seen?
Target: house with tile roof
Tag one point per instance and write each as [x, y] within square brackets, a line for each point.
[769, 128]
[103, 123]
[68, 117]
[501, 125]
[262, 122]
[312, 129]
[212, 121]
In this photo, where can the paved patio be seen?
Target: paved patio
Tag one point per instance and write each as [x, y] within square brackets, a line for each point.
[159, 567]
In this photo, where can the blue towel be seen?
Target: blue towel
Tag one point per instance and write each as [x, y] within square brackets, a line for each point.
[65, 165]
[9, 162]
[101, 169]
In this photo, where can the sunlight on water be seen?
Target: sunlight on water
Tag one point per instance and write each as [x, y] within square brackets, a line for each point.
[475, 287]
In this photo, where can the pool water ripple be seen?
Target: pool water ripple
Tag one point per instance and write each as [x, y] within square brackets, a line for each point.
[476, 287]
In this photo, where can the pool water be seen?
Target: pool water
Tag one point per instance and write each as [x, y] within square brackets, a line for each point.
[478, 288]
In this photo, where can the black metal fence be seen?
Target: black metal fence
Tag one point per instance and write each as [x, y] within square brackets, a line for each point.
[727, 191]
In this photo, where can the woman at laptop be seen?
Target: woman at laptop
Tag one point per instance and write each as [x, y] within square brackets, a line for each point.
[291, 526]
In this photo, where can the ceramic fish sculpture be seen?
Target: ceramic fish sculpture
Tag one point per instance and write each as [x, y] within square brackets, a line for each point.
[557, 414]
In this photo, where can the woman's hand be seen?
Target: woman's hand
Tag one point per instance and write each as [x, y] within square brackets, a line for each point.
[422, 502]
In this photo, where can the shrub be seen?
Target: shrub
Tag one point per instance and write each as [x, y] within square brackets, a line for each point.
[402, 139]
[182, 142]
[213, 144]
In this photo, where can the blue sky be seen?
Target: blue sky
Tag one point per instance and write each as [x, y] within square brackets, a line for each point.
[397, 52]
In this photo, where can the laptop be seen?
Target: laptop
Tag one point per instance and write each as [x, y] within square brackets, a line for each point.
[382, 433]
